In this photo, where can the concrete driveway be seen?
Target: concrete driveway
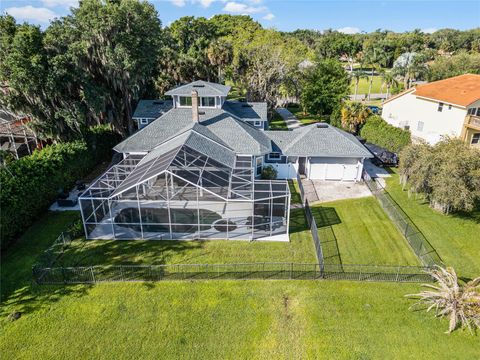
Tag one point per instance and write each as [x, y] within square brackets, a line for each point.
[376, 172]
[337, 190]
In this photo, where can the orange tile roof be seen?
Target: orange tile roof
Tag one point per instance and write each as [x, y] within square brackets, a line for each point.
[459, 90]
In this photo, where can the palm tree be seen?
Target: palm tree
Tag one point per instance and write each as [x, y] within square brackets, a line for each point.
[356, 75]
[389, 80]
[460, 303]
[220, 54]
[376, 58]
[353, 115]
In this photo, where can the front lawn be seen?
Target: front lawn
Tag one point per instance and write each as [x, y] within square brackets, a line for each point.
[357, 231]
[277, 122]
[211, 319]
[306, 118]
[455, 237]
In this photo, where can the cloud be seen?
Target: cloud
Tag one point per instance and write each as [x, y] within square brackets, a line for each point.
[429, 30]
[62, 3]
[179, 3]
[204, 3]
[37, 14]
[269, 17]
[349, 30]
[238, 8]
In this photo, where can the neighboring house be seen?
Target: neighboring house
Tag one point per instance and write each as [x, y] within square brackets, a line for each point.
[194, 173]
[15, 137]
[449, 107]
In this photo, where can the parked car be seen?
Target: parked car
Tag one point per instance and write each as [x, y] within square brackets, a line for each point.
[375, 109]
[383, 157]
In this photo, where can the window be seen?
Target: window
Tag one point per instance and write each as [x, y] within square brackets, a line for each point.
[185, 101]
[144, 121]
[207, 101]
[478, 111]
[258, 166]
[471, 111]
[476, 138]
[449, 107]
[420, 126]
[440, 107]
[258, 123]
[274, 156]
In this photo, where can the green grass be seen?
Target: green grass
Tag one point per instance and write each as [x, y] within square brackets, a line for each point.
[306, 118]
[362, 234]
[363, 86]
[277, 122]
[91, 252]
[212, 319]
[455, 237]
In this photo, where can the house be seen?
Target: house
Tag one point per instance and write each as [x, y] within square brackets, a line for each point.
[449, 107]
[149, 110]
[15, 136]
[194, 172]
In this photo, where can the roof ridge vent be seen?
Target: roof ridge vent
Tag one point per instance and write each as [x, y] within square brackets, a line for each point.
[158, 102]
[198, 85]
[247, 105]
[322, 125]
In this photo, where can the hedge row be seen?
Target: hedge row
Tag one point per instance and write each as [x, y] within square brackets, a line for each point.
[377, 131]
[30, 184]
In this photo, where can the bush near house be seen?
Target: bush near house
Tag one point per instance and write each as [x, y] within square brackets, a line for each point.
[379, 132]
[32, 183]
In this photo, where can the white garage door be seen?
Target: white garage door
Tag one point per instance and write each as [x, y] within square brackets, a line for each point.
[345, 169]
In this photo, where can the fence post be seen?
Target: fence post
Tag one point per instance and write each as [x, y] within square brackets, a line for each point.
[291, 271]
[398, 273]
[93, 275]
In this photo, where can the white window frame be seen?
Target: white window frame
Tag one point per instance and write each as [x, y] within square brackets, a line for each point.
[257, 123]
[144, 121]
[440, 106]
[420, 128]
[275, 152]
[208, 106]
[475, 141]
[180, 101]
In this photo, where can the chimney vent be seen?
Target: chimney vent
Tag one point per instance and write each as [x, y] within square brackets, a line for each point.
[195, 117]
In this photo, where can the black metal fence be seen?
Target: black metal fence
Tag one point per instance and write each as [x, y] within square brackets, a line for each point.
[265, 271]
[419, 244]
[45, 271]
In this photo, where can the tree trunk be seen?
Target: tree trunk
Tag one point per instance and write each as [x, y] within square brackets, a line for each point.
[370, 85]
[388, 91]
[356, 89]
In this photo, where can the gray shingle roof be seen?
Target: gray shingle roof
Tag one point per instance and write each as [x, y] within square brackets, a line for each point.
[311, 140]
[247, 111]
[204, 88]
[151, 109]
[215, 124]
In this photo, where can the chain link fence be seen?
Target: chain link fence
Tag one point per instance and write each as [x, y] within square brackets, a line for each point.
[419, 244]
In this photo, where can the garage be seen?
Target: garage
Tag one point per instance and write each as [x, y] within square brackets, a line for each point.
[339, 169]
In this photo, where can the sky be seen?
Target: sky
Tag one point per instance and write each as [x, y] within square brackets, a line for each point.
[349, 16]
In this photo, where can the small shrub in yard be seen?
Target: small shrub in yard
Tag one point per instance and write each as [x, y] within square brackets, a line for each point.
[378, 131]
[269, 173]
[460, 303]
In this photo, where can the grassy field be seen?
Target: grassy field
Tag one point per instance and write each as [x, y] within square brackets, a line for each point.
[357, 231]
[306, 118]
[455, 237]
[277, 122]
[211, 319]
[364, 83]
[299, 249]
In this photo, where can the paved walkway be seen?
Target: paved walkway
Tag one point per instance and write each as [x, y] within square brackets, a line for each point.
[290, 119]
[310, 191]
[372, 96]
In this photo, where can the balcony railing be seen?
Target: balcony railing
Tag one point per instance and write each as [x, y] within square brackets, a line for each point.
[473, 121]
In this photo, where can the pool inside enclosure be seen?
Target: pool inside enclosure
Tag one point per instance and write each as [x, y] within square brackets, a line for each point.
[185, 194]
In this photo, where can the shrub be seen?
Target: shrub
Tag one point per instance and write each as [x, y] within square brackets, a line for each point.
[379, 132]
[30, 184]
[269, 173]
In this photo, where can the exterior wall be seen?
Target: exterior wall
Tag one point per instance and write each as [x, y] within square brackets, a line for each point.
[139, 122]
[410, 110]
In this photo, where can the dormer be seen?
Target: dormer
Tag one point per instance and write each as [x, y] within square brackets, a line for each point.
[210, 95]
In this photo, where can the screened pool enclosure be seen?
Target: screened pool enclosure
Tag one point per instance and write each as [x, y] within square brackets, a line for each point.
[178, 192]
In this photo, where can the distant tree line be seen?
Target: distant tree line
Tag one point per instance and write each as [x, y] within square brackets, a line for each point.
[92, 66]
